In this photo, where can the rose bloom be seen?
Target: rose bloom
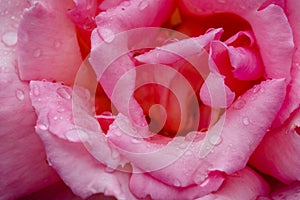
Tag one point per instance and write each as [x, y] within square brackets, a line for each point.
[150, 99]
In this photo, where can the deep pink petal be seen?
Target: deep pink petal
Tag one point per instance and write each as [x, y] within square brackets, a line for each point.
[143, 185]
[233, 139]
[246, 62]
[287, 192]
[23, 167]
[215, 93]
[276, 49]
[278, 154]
[53, 53]
[293, 96]
[170, 53]
[244, 184]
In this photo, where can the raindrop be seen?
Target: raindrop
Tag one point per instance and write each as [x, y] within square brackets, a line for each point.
[256, 89]
[188, 153]
[109, 169]
[183, 145]
[36, 90]
[10, 38]
[60, 109]
[37, 53]
[135, 141]
[106, 34]
[55, 118]
[239, 104]
[246, 121]
[57, 44]
[42, 126]
[177, 183]
[20, 94]
[64, 92]
[215, 139]
[142, 5]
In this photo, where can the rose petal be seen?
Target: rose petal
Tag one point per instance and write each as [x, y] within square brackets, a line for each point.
[246, 63]
[168, 163]
[244, 184]
[215, 93]
[23, 167]
[278, 154]
[129, 15]
[67, 114]
[276, 49]
[143, 185]
[293, 97]
[53, 52]
[81, 172]
[170, 53]
[287, 192]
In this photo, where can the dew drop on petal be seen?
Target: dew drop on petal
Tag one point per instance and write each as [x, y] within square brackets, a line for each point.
[215, 139]
[36, 90]
[256, 89]
[64, 92]
[60, 109]
[20, 94]
[10, 38]
[177, 183]
[239, 104]
[42, 126]
[246, 121]
[135, 141]
[142, 5]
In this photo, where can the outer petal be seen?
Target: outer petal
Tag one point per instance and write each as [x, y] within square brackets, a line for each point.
[233, 139]
[215, 93]
[276, 49]
[53, 52]
[23, 167]
[142, 185]
[293, 96]
[244, 184]
[291, 192]
[71, 158]
[278, 154]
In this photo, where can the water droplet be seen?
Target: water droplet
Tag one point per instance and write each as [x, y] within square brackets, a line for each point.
[204, 183]
[76, 135]
[57, 44]
[109, 169]
[55, 118]
[37, 53]
[177, 183]
[188, 153]
[20, 94]
[42, 126]
[142, 5]
[10, 38]
[64, 92]
[215, 139]
[239, 104]
[36, 90]
[256, 89]
[135, 141]
[246, 121]
[60, 109]
[106, 34]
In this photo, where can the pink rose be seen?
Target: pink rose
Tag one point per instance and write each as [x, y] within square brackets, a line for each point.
[149, 99]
